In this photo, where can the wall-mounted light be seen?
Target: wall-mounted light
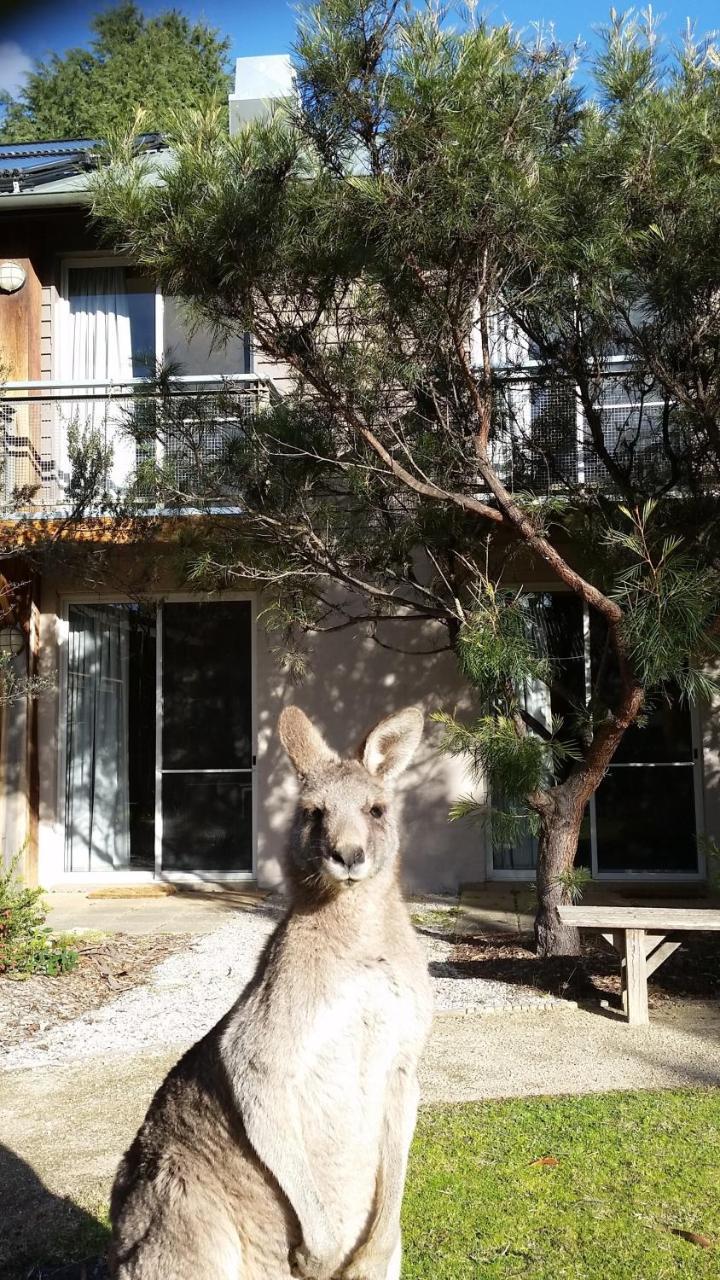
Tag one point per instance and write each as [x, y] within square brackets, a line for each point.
[12, 277]
[12, 641]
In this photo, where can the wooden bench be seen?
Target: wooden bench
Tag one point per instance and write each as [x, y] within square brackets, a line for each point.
[643, 937]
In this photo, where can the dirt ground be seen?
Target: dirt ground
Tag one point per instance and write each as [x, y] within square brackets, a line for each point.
[106, 968]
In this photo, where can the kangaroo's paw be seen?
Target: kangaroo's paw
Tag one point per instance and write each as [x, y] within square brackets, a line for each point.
[306, 1265]
[366, 1266]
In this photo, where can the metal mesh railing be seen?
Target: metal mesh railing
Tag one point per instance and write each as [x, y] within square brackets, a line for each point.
[47, 429]
[541, 441]
[543, 438]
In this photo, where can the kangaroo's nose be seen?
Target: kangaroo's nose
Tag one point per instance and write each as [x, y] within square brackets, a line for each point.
[350, 857]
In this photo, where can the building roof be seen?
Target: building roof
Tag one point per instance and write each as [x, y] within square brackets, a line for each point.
[56, 168]
[56, 171]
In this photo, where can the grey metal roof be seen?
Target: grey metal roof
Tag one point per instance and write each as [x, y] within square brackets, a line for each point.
[57, 166]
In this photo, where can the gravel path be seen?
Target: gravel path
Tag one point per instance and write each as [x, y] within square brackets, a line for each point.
[188, 993]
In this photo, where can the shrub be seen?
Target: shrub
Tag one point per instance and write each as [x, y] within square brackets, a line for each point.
[27, 945]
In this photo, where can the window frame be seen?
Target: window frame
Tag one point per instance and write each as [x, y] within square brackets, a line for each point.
[61, 321]
[157, 875]
[61, 330]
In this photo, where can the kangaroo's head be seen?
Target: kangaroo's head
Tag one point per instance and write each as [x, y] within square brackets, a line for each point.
[345, 830]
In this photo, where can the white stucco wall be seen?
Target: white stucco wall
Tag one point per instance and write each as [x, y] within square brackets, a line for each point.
[353, 682]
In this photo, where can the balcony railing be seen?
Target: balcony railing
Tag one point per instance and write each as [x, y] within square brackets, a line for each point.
[542, 438]
[44, 426]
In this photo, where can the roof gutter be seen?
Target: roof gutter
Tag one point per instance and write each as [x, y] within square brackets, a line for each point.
[37, 199]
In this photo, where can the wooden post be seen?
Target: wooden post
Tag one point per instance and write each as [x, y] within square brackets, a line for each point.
[20, 317]
[636, 978]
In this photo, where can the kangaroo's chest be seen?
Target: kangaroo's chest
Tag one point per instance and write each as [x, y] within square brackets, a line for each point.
[367, 1019]
[367, 1026]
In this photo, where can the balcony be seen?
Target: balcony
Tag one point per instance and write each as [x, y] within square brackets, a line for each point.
[542, 439]
[185, 431]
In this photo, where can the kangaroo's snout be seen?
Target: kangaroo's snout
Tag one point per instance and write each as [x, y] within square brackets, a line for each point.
[345, 861]
[348, 857]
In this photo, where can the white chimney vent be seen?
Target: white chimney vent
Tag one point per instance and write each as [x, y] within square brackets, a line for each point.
[259, 83]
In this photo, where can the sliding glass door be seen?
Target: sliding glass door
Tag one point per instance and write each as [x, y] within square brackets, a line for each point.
[644, 810]
[205, 768]
[110, 738]
[158, 738]
[644, 817]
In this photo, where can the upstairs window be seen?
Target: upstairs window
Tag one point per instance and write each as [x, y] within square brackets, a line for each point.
[111, 334]
[192, 350]
[119, 327]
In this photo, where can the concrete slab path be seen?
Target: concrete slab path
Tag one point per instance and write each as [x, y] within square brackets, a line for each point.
[186, 912]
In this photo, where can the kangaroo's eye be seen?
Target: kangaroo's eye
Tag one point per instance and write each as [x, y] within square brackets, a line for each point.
[377, 811]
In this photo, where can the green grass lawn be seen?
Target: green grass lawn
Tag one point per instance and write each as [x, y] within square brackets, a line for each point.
[631, 1169]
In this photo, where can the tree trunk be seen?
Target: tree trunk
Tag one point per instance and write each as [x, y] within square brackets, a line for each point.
[557, 847]
[561, 813]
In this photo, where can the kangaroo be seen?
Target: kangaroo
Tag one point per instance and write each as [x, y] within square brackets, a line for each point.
[278, 1145]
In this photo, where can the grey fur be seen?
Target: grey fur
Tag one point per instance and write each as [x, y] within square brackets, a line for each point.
[278, 1145]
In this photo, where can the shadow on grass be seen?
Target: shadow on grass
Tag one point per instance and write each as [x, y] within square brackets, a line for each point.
[45, 1236]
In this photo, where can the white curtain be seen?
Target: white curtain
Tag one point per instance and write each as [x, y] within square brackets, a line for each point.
[97, 811]
[101, 345]
[100, 348]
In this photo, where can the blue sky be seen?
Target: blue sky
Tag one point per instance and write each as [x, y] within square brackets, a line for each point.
[30, 29]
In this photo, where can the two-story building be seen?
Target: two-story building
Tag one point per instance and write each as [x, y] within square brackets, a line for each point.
[150, 752]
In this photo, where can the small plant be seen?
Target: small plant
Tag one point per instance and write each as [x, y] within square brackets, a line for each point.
[574, 881]
[27, 944]
[709, 846]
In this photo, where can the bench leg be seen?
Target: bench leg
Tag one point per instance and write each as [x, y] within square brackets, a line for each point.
[636, 978]
[657, 950]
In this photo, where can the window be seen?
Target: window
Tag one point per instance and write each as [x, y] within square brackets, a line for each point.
[110, 737]
[541, 438]
[642, 819]
[192, 350]
[112, 324]
[120, 327]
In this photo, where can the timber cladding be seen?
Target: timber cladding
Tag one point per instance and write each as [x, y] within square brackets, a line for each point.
[20, 327]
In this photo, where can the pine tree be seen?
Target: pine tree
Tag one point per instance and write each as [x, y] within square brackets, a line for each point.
[440, 207]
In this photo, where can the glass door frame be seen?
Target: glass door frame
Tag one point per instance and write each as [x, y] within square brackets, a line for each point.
[211, 877]
[62, 631]
[696, 764]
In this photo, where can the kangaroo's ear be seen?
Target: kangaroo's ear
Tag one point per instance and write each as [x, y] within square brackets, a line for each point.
[391, 745]
[304, 744]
